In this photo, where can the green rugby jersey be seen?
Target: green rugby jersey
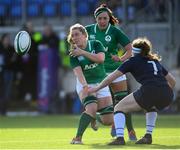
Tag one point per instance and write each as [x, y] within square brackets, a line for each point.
[93, 72]
[111, 37]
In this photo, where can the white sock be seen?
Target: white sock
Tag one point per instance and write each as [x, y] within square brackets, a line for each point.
[150, 121]
[119, 122]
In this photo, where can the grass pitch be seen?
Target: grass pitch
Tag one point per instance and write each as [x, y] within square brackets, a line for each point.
[56, 132]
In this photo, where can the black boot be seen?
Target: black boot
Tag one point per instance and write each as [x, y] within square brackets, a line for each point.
[147, 139]
[118, 141]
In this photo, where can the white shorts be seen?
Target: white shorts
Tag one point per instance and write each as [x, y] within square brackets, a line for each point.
[121, 78]
[104, 92]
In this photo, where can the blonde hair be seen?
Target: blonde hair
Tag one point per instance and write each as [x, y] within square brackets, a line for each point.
[146, 48]
[79, 27]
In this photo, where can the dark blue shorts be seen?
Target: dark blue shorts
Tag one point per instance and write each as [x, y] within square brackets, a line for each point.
[149, 97]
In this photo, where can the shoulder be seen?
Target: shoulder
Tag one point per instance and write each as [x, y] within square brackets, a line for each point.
[95, 42]
[89, 27]
[133, 59]
[115, 28]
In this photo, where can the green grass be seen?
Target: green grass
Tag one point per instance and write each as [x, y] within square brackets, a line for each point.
[56, 132]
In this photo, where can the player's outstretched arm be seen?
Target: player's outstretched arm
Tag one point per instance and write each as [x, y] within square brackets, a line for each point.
[106, 81]
[171, 80]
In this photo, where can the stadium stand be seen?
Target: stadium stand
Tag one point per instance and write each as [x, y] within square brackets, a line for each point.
[36, 1]
[65, 8]
[33, 10]
[49, 10]
[82, 8]
[3, 10]
[16, 11]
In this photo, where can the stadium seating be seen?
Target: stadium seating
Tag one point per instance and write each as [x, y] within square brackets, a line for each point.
[54, 1]
[93, 4]
[40, 2]
[46, 8]
[6, 2]
[82, 8]
[49, 10]
[65, 8]
[16, 11]
[3, 10]
[33, 10]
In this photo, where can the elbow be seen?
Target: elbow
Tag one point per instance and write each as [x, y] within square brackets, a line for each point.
[128, 49]
[174, 83]
[101, 61]
[129, 53]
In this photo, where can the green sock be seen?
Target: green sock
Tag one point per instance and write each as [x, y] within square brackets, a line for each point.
[84, 121]
[129, 122]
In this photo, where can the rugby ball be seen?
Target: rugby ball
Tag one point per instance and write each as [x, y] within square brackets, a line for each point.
[22, 42]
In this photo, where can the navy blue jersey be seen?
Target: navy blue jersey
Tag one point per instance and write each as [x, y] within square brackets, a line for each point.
[145, 71]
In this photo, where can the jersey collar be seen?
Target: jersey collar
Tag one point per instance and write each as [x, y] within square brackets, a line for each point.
[107, 29]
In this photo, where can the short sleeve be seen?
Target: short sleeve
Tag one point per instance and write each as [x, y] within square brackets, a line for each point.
[121, 37]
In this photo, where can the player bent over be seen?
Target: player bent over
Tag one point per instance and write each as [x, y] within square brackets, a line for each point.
[154, 94]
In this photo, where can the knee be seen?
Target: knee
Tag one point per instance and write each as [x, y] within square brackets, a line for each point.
[90, 104]
[92, 109]
[119, 108]
[107, 120]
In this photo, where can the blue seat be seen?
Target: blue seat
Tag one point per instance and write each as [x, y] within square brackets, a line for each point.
[10, 2]
[54, 1]
[82, 8]
[6, 2]
[49, 10]
[16, 2]
[65, 8]
[33, 10]
[3, 10]
[36, 1]
[93, 4]
[16, 11]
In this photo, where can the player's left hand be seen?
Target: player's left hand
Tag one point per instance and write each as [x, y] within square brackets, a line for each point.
[76, 52]
[115, 58]
[85, 91]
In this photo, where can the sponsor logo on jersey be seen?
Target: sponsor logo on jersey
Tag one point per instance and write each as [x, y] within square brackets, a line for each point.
[91, 66]
[92, 37]
[107, 38]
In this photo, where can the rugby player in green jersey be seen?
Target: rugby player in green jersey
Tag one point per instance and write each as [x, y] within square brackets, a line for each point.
[87, 61]
[111, 37]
